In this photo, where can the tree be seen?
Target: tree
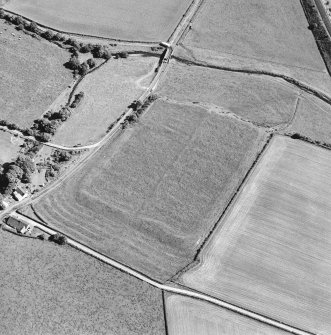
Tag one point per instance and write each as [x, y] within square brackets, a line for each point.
[44, 137]
[91, 63]
[33, 27]
[2, 13]
[86, 48]
[18, 20]
[83, 69]
[106, 54]
[48, 35]
[73, 63]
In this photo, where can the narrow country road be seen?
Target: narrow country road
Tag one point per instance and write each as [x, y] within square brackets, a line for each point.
[168, 288]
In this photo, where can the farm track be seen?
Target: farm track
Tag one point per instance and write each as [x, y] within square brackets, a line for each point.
[165, 287]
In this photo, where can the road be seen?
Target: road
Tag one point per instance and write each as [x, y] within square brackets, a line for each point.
[166, 287]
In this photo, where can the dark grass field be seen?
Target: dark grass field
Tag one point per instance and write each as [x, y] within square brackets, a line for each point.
[149, 200]
[32, 75]
[51, 289]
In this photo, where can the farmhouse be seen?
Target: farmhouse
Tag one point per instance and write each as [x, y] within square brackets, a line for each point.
[19, 194]
[20, 226]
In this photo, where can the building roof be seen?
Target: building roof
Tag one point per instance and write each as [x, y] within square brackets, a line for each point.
[20, 191]
[16, 224]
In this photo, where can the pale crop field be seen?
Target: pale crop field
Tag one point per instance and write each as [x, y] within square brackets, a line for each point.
[265, 30]
[124, 19]
[32, 75]
[187, 316]
[107, 93]
[271, 253]
[51, 289]
[260, 99]
[149, 200]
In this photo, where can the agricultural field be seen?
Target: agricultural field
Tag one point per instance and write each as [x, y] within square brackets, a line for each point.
[32, 75]
[108, 91]
[10, 147]
[313, 119]
[150, 199]
[44, 286]
[270, 31]
[186, 316]
[272, 249]
[122, 19]
[260, 99]
[257, 35]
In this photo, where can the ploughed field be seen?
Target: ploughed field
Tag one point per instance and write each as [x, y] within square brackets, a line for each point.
[149, 200]
[51, 289]
[123, 19]
[271, 252]
[187, 316]
[260, 99]
[32, 75]
[107, 92]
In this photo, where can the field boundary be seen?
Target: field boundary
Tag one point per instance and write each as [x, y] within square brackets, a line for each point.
[233, 197]
[181, 291]
[80, 35]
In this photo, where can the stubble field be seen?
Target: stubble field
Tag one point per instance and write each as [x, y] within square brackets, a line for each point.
[259, 99]
[107, 93]
[124, 19]
[186, 316]
[149, 200]
[272, 250]
[48, 289]
[32, 75]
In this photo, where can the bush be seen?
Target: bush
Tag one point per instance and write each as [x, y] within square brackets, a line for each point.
[123, 54]
[58, 238]
[73, 63]
[78, 99]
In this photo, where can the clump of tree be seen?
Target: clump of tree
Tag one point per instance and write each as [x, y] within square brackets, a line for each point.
[15, 172]
[26, 164]
[62, 115]
[58, 239]
[78, 98]
[60, 156]
[85, 48]
[101, 51]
